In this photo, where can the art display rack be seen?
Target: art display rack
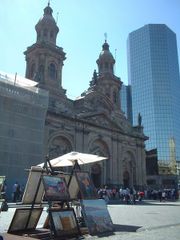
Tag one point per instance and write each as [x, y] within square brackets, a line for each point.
[28, 213]
[61, 222]
[33, 198]
[2, 194]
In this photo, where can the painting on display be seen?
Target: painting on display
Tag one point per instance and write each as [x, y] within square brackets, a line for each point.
[25, 219]
[96, 216]
[34, 186]
[64, 222]
[55, 188]
[86, 186]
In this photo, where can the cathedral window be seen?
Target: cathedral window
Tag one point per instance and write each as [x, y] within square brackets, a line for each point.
[51, 34]
[32, 71]
[106, 65]
[114, 97]
[45, 32]
[38, 36]
[52, 71]
[41, 73]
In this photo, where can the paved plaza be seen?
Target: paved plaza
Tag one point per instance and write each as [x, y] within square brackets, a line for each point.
[149, 220]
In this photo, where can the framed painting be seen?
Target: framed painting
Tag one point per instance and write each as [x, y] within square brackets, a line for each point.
[34, 185]
[55, 188]
[86, 186]
[25, 219]
[64, 222]
[96, 216]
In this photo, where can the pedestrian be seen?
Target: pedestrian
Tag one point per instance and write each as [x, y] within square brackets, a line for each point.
[160, 195]
[140, 195]
[163, 195]
[134, 195]
[114, 193]
[16, 192]
[127, 195]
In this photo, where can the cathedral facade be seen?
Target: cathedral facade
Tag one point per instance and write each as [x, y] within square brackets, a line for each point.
[94, 122]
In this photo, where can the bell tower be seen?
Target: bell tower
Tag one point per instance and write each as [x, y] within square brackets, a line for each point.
[105, 81]
[44, 60]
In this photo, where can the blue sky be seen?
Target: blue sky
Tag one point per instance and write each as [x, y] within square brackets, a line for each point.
[82, 26]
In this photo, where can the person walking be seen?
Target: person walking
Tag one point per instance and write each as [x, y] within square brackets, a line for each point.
[16, 192]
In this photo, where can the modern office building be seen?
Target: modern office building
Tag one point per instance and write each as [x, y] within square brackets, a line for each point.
[126, 101]
[154, 76]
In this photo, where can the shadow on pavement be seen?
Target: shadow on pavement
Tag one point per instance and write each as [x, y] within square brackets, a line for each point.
[159, 203]
[126, 228]
[119, 228]
[145, 202]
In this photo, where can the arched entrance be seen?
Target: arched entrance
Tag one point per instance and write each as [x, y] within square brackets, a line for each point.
[58, 146]
[129, 173]
[100, 172]
[126, 179]
[96, 175]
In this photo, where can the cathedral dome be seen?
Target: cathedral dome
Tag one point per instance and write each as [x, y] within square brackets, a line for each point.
[106, 60]
[46, 27]
[105, 53]
[47, 18]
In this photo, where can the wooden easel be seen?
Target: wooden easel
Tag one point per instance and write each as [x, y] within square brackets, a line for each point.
[64, 202]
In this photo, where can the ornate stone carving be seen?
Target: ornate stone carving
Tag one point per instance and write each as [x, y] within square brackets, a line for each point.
[59, 146]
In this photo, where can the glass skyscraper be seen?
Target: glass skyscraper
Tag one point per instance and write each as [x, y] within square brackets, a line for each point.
[153, 73]
[126, 101]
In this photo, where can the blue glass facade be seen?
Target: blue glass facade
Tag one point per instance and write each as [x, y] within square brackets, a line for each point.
[126, 101]
[153, 73]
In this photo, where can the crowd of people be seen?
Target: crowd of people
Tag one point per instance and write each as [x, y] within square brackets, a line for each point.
[163, 194]
[124, 194]
[17, 192]
[127, 195]
[131, 195]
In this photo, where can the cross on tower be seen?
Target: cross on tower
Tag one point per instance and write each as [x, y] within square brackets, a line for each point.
[105, 36]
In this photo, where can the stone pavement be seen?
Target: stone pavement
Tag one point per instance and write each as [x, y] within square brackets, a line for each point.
[149, 220]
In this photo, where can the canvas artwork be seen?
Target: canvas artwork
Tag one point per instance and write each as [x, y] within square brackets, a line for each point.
[86, 186]
[32, 186]
[96, 216]
[64, 222]
[25, 219]
[73, 188]
[55, 188]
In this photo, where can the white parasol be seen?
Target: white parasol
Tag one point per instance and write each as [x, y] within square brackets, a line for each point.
[69, 159]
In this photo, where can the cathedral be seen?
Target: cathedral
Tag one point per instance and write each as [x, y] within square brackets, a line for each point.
[92, 123]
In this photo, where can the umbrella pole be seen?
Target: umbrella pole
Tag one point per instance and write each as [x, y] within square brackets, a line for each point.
[46, 163]
[75, 167]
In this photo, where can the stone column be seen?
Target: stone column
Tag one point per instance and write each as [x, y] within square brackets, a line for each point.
[78, 137]
[114, 160]
[119, 163]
